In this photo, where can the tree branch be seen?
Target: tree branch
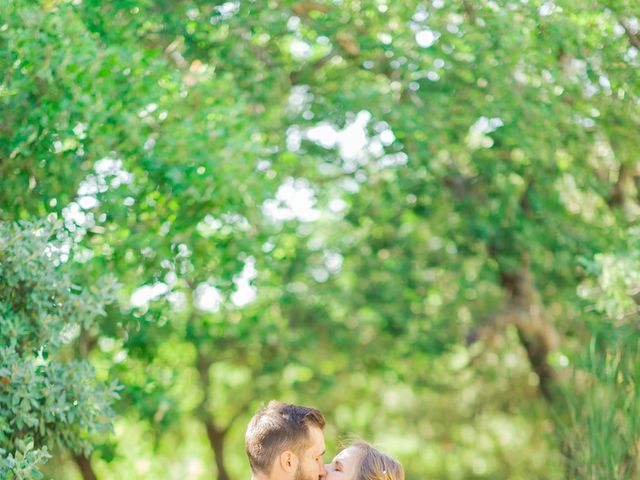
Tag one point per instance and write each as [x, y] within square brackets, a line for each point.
[633, 38]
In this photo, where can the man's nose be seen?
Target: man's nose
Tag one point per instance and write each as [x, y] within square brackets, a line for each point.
[323, 470]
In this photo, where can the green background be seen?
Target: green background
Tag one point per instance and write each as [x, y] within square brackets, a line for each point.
[419, 217]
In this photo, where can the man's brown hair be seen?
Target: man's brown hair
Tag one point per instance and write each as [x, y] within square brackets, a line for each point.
[276, 428]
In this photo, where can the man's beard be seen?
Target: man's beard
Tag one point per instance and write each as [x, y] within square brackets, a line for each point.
[301, 476]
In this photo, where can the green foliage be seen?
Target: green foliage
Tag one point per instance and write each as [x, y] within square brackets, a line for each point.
[602, 421]
[46, 397]
[367, 206]
[24, 463]
[601, 438]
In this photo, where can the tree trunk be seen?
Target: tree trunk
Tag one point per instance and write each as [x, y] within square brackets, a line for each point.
[215, 435]
[216, 441]
[84, 465]
[539, 338]
[537, 335]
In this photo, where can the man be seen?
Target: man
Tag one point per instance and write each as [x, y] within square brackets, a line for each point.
[285, 442]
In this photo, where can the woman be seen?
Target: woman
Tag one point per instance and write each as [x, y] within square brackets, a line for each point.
[361, 461]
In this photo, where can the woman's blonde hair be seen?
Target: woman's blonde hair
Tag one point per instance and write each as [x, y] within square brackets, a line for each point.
[375, 465]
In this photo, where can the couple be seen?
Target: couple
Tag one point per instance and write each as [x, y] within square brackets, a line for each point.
[285, 442]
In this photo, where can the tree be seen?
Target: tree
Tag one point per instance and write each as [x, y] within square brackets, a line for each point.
[48, 400]
[299, 196]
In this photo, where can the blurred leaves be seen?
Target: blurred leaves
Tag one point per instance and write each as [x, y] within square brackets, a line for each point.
[365, 206]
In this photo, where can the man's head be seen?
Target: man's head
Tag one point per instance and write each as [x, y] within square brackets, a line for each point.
[286, 442]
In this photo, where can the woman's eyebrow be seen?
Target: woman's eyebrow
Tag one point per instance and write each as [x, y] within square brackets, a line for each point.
[338, 463]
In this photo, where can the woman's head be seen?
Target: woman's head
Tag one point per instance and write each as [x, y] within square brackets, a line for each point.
[361, 461]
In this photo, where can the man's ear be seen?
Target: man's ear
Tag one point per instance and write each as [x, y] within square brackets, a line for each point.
[288, 461]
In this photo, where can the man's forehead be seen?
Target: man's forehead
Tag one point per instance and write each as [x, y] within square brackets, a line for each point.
[317, 438]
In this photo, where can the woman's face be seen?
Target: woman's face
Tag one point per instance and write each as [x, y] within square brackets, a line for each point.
[344, 465]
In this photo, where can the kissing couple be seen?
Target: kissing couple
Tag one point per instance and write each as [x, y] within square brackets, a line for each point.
[285, 442]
